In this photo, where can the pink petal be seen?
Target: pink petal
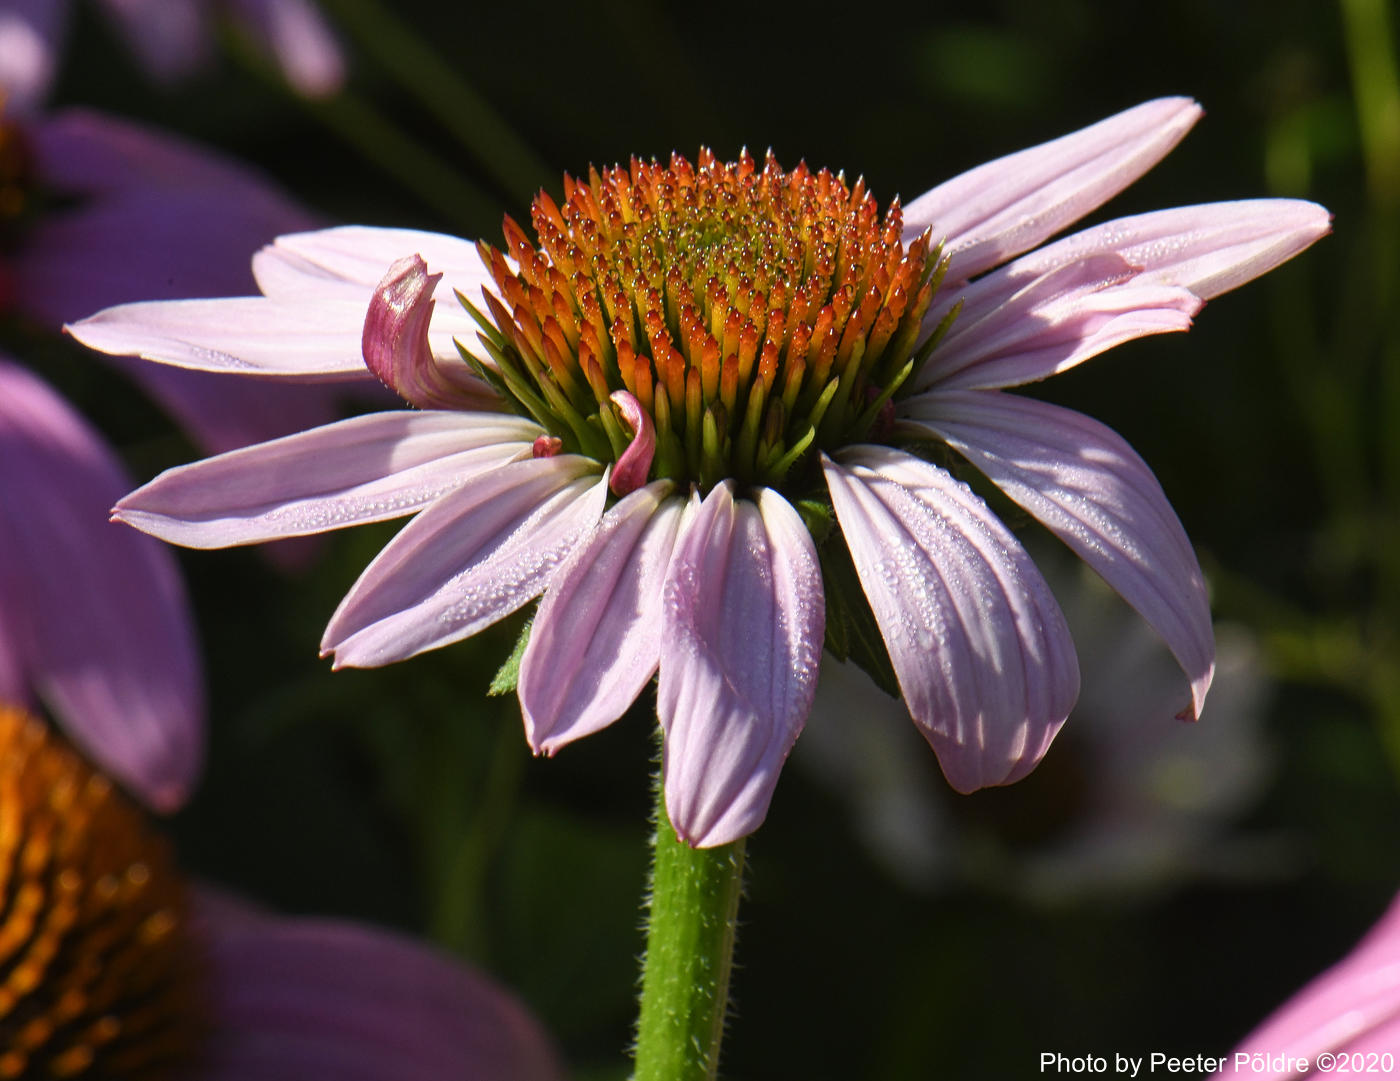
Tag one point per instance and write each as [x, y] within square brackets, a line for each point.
[244, 335]
[473, 557]
[324, 1000]
[630, 471]
[328, 261]
[596, 639]
[741, 643]
[1064, 317]
[983, 655]
[365, 469]
[96, 616]
[395, 343]
[1010, 205]
[1352, 1007]
[1093, 491]
[347, 262]
[1207, 249]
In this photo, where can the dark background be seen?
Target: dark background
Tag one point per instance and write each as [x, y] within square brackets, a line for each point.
[406, 797]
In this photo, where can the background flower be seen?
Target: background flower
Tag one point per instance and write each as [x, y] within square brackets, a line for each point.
[93, 623]
[171, 38]
[129, 974]
[1128, 806]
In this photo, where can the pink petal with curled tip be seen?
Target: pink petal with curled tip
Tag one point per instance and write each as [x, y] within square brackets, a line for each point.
[1208, 249]
[1010, 205]
[630, 471]
[983, 656]
[740, 648]
[1064, 317]
[395, 343]
[96, 621]
[365, 469]
[348, 261]
[1084, 483]
[596, 639]
[473, 557]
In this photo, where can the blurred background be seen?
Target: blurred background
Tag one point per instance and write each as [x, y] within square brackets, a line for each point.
[1152, 886]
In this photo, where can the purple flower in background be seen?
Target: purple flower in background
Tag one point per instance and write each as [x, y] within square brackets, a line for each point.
[93, 621]
[1352, 1009]
[138, 976]
[782, 362]
[1120, 809]
[171, 38]
[98, 211]
[129, 973]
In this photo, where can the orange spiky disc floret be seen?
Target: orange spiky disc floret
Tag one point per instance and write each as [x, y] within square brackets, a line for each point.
[98, 977]
[757, 315]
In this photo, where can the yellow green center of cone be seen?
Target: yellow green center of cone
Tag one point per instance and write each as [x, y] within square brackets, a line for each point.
[756, 315]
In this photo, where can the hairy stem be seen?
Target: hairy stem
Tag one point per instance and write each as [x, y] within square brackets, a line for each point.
[692, 917]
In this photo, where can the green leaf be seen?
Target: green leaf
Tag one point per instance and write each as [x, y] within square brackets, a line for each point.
[851, 631]
[506, 680]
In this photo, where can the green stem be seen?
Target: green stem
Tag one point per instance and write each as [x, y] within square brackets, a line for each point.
[689, 953]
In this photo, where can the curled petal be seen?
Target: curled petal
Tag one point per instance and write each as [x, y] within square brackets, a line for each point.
[96, 622]
[1010, 205]
[981, 649]
[1093, 491]
[323, 1000]
[741, 642]
[473, 557]
[1064, 317]
[596, 638]
[395, 341]
[631, 470]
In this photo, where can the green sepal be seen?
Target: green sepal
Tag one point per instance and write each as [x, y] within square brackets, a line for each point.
[508, 677]
[488, 328]
[851, 631]
[520, 392]
[482, 371]
[818, 516]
